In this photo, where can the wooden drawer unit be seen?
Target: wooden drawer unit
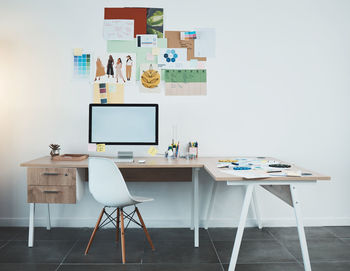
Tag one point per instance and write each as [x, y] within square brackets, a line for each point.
[51, 176]
[51, 194]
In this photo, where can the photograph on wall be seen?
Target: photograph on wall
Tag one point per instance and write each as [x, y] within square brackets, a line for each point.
[149, 78]
[115, 68]
[155, 21]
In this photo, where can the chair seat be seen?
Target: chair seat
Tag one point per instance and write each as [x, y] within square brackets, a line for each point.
[141, 199]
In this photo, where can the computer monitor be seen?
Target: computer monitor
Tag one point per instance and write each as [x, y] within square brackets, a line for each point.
[123, 124]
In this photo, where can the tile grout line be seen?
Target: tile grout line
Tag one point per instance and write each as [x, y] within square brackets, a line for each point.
[217, 254]
[282, 244]
[65, 256]
[8, 241]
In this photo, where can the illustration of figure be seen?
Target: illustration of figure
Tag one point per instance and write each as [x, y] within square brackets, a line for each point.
[129, 63]
[110, 66]
[100, 69]
[118, 70]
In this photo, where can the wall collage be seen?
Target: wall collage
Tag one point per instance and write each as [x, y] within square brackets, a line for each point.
[141, 52]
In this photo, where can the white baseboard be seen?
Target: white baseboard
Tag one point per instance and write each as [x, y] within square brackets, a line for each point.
[178, 223]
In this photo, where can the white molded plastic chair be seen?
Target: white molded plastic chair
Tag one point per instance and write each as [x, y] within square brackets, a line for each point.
[107, 185]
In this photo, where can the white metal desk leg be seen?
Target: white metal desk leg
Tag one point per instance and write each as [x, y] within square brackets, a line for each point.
[241, 225]
[192, 204]
[195, 206]
[48, 220]
[256, 209]
[301, 232]
[31, 224]
[210, 204]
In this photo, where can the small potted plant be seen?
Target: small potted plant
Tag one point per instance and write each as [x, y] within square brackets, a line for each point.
[55, 150]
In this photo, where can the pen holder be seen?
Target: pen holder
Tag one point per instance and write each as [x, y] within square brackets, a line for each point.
[193, 152]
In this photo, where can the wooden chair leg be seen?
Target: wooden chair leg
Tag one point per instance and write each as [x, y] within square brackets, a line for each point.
[122, 234]
[144, 228]
[117, 233]
[94, 232]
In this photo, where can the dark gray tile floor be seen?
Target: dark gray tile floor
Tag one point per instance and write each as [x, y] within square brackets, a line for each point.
[272, 249]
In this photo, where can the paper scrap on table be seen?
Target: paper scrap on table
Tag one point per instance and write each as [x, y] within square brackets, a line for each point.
[101, 147]
[155, 51]
[204, 45]
[78, 51]
[92, 147]
[146, 41]
[247, 174]
[150, 57]
[152, 151]
[118, 29]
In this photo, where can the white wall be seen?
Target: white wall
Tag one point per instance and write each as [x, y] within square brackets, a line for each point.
[279, 86]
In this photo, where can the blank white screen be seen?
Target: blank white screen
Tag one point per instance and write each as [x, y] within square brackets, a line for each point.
[122, 124]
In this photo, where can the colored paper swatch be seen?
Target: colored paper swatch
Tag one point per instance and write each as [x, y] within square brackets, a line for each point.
[114, 93]
[191, 35]
[92, 147]
[77, 51]
[82, 66]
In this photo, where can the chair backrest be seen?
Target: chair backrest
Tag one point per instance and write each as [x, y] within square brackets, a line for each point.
[107, 184]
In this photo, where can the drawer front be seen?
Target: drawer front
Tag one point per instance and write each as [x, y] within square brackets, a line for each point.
[51, 194]
[51, 176]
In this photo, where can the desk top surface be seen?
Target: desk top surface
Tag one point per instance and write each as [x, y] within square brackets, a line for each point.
[208, 163]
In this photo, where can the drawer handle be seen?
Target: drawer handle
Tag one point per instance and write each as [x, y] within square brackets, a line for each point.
[50, 174]
[51, 192]
[53, 174]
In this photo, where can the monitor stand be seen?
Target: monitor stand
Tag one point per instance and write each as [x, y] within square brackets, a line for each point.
[125, 157]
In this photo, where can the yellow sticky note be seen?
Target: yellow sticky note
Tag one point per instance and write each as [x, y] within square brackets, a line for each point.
[101, 147]
[78, 51]
[152, 151]
[155, 51]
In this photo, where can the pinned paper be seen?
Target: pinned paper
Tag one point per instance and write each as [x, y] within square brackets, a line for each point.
[204, 45]
[194, 63]
[201, 65]
[78, 51]
[118, 29]
[101, 147]
[150, 57]
[155, 51]
[146, 41]
[152, 151]
[112, 87]
[92, 147]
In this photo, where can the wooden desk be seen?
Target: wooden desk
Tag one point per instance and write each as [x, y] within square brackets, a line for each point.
[61, 182]
[285, 188]
[162, 169]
